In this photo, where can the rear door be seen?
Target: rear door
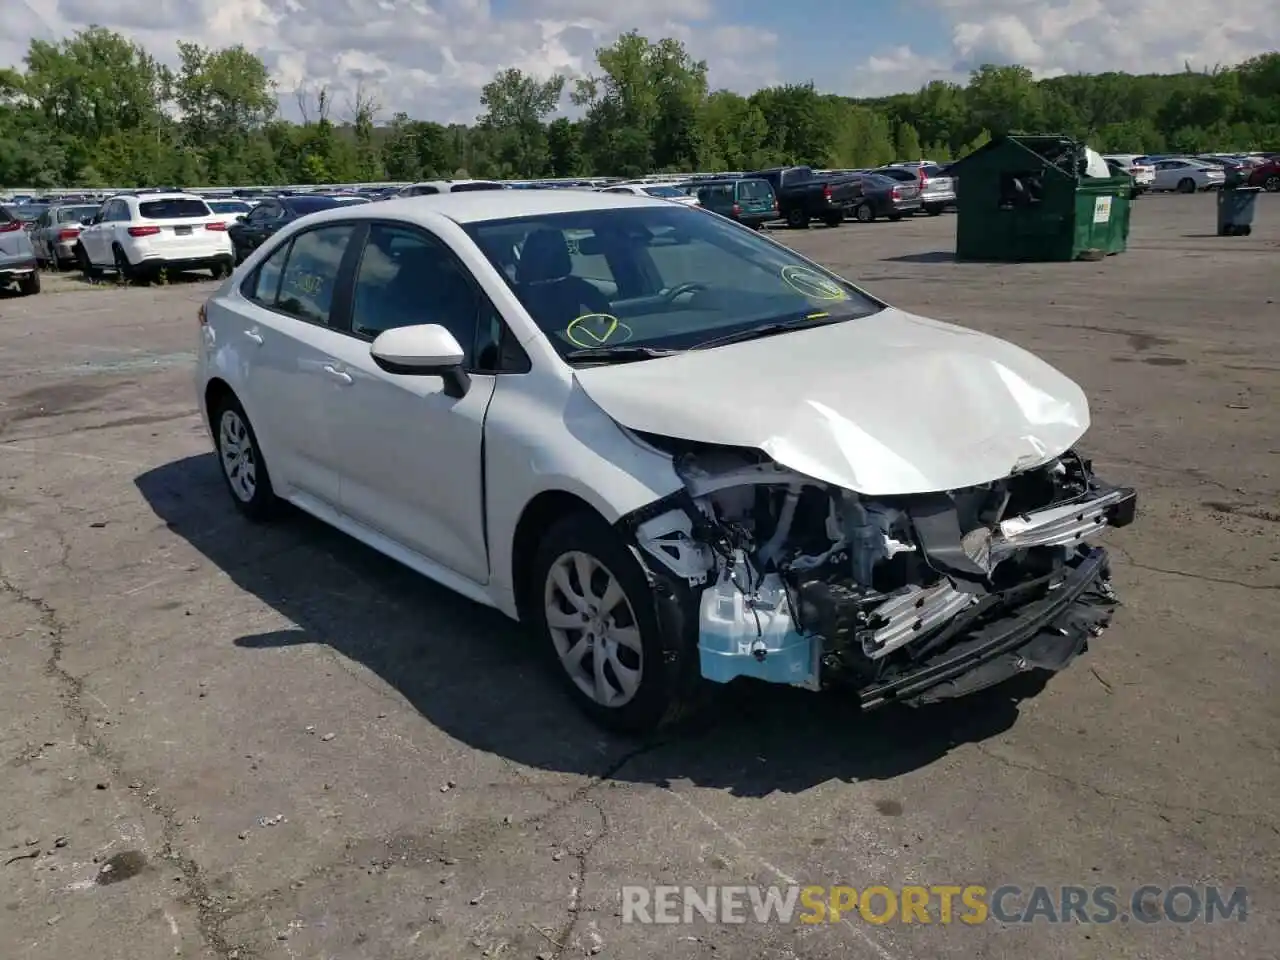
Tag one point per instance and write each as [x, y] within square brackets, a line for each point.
[282, 323]
[181, 228]
[755, 197]
[936, 182]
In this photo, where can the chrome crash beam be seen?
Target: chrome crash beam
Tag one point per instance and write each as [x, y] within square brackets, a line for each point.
[1065, 525]
[1045, 634]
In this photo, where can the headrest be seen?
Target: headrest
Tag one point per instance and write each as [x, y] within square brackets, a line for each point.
[544, 256]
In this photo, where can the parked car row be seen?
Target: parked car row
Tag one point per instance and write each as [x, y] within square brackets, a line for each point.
[1189, 174]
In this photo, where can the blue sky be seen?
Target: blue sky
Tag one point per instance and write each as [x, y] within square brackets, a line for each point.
[431, 57]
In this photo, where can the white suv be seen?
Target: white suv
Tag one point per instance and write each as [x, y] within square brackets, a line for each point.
[139, 235]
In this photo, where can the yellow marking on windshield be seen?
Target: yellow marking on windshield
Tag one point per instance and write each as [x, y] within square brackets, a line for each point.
[820, 315]
[812, 285]
[595, 329]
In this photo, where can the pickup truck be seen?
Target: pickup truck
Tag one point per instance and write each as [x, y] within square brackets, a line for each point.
[804, 195]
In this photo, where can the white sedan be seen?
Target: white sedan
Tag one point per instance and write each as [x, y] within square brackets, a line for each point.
[1186, 175]
[663, 191]
[677, 450]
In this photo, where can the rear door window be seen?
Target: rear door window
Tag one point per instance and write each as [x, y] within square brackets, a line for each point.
[466, 187]
[173, 208]
[311, 273]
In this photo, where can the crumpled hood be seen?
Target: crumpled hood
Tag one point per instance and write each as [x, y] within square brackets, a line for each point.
[889, 404]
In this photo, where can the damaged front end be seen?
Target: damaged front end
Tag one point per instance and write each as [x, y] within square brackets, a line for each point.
[904, 598]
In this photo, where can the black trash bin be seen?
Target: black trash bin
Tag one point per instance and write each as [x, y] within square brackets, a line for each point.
[1235, 210]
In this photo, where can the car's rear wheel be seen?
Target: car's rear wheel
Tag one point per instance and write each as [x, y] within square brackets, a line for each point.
[125, 271]
[222, 268]
[933, 210]
[594, 611]
[30, 284]
[797, 219]
[85, 264]
[243, 468]
[1271, 184]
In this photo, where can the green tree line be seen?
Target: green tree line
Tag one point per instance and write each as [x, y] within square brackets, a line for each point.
[96, 109]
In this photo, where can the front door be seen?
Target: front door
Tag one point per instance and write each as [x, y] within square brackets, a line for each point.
[411, 455]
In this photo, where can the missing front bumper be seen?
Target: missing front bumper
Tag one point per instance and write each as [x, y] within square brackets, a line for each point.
[1044, 634]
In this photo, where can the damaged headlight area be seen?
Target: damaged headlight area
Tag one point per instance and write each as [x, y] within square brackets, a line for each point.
[904, 598]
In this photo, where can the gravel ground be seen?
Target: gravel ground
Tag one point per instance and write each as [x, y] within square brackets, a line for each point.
[224, 741]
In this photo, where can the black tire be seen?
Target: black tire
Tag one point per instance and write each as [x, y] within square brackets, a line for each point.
[125, 271]
[863, 213]
[1271, 184]
[29, 285]
[895, 216]
[1186, 185]
[833, 219]
[222, 269]
[1246, 230]
[85, 264]
[226, 418]
[797, 219]
[670, 681]
[933, 211]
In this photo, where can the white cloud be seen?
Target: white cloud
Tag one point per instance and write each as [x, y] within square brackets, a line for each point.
[426, 57]
[1054, 37]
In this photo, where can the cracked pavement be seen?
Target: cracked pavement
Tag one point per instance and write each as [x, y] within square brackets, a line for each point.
[231, 742]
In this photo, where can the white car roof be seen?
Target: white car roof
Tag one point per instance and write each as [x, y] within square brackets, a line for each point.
[148, 197]
[477, 206]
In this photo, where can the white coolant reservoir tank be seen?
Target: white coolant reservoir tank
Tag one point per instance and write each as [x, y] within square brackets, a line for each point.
[750, 633]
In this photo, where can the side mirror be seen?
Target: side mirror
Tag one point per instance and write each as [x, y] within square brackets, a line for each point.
[422, 350]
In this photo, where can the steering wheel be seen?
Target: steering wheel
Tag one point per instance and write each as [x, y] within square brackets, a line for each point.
[680, 289]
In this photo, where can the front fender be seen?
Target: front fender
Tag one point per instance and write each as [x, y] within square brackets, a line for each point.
[547, 435]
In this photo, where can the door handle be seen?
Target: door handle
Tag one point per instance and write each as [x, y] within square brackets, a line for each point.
[337, 374]
[255, 336]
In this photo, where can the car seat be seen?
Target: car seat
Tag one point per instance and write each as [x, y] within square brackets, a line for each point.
[546, 284]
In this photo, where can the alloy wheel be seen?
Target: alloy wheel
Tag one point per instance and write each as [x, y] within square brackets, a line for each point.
[239, 460]
[594, 629]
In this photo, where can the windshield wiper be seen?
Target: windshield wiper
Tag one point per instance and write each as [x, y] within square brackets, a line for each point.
[622, 353]
[767, 330]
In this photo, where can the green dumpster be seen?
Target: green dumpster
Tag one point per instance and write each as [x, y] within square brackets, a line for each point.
[1026, 198]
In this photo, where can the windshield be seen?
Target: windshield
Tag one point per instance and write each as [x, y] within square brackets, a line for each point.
[173, 208]
[669, 278]
[304, 205]
[229, 206]
[664, 191]
[75, 214]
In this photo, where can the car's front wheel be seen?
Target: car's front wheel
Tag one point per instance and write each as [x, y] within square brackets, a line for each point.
[243, 467]
[594, 611]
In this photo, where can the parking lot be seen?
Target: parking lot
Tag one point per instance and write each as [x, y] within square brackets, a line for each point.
[285, 746]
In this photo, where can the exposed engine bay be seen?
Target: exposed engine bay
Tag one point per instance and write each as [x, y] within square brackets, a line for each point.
[904, 597]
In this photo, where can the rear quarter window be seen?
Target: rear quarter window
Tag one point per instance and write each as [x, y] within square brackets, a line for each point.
[173, 209]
